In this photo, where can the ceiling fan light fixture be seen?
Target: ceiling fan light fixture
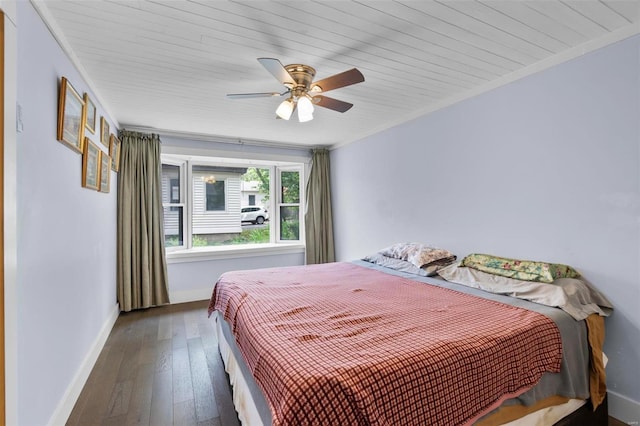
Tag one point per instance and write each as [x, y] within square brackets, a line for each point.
[303, 118]
[305, 109]
[302, 91]
[285, 109]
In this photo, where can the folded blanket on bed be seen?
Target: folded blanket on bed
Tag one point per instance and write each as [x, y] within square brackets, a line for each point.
[597, 375]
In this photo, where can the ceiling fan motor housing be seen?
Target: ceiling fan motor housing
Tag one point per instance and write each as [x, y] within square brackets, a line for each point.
[302, 75]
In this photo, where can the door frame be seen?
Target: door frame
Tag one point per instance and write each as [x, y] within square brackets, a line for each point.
[2, 343]
[8, 224]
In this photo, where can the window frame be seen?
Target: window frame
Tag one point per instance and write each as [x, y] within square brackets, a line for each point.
[188, 253]
[181, 164]
[280, 203]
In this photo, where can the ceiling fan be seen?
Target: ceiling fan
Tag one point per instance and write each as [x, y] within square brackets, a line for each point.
[303, 93]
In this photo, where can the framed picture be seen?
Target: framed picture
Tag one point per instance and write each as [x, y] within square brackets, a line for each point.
[91, 165]
[105, 172]
[90, 122]
[71, 116]
[114, 152]
[104, 132]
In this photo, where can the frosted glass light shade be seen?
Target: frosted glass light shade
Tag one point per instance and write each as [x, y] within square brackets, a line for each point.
[285, 109]
[304, 117]
[305, 109]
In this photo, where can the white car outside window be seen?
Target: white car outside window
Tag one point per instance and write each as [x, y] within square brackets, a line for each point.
[254, 214]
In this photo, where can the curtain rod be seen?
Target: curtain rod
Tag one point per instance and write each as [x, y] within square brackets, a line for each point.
[223, 139]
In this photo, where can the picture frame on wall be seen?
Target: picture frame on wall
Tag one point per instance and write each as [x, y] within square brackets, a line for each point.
[104, 132]
[90, 122]
[105, 172]
[71, 116]
[91, 165]
[114, 152]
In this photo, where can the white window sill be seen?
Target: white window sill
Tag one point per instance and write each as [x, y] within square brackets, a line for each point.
[199, 254]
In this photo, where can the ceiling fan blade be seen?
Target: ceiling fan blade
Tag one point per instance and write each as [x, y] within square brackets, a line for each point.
[334, 104]
[336, 81]
[254, 95]
[277, 70]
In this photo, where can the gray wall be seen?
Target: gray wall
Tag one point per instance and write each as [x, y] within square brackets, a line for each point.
[66, 234]
[544, 168]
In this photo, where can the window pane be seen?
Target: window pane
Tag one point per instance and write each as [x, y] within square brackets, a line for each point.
[289, 223]
[233, 210]
[173, 229]
[215, 196]
[170, 184]
[255, 187]
[290, 187]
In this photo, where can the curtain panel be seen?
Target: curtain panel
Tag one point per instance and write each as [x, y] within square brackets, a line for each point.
[318, 217]
[142, 268]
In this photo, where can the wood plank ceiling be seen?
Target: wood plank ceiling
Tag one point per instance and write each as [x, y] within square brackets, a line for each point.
[167, 65]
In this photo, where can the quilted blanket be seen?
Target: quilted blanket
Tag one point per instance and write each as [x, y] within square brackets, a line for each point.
[342, 344]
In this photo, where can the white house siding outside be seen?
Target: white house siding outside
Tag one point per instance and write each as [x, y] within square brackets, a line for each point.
[216, 222]
[249, 189]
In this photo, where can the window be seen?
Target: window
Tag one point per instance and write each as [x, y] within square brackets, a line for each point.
[289, 205]
[175, 189]
[173, 204]
[216, 200]
[213, 202]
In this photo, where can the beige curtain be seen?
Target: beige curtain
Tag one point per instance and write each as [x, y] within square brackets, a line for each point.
[318, 218]
[142, 267]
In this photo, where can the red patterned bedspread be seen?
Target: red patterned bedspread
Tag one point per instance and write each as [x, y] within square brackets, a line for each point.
[339, 344]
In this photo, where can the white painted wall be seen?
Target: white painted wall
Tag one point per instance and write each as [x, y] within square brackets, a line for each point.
[66, 251]
[547, 167]
[190, 281]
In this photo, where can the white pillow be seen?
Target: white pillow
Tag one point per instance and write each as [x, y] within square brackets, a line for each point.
[572, 295]
[421, 255]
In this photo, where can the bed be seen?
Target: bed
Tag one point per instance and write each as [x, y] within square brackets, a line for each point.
[359, 343]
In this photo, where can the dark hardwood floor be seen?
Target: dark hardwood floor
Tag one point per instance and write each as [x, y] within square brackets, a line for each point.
[614, 422]
[159, 366]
